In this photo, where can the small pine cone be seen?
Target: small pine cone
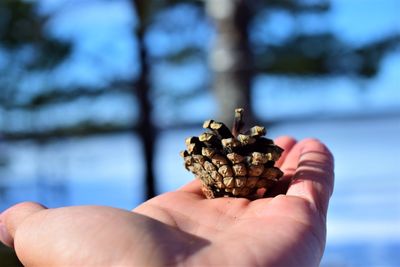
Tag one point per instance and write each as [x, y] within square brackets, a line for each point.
[232, 164]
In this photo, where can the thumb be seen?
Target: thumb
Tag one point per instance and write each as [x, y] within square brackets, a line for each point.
[13, 217]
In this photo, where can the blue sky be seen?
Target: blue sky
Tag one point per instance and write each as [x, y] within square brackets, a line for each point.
[360, 21]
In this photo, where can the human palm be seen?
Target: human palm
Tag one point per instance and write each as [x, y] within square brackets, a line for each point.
[184, 228]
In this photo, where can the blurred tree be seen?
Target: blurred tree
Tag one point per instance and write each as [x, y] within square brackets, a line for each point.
[241, 49]
[25, 47]
[236, 57]
[22, 51]
[231, 58]
[29, 54]
[146, 128]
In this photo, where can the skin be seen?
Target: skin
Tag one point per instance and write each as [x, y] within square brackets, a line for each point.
[183, 228]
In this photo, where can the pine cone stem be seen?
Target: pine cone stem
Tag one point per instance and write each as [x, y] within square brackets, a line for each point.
[237, 122]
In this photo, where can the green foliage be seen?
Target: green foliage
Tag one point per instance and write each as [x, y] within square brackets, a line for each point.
[294, 6]
[147, 10]
[59, 96]
[22, 28]
[372, 54]
[323, 54]
[80, 129]
[318, 53]
[303, 53]
[16, 17]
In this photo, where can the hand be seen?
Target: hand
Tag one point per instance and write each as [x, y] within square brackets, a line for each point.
[184, 228]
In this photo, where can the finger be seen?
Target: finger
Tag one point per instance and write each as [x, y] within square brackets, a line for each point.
[287, 143]
[13, 217]
[192, 187]
[291, 159]
[5, 237]
[314, 177]
[287, 163]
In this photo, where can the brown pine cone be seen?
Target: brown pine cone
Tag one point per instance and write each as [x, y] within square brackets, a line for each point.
[233, 164]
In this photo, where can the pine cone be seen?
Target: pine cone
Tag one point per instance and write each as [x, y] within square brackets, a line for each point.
[233, 164]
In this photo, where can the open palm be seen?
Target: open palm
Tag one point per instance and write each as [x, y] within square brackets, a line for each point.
[184, 228]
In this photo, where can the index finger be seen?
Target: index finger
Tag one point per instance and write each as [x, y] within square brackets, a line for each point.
[314, 176]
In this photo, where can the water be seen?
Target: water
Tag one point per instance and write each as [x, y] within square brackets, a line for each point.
[364, 214]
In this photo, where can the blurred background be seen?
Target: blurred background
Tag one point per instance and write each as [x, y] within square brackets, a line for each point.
[97, 97]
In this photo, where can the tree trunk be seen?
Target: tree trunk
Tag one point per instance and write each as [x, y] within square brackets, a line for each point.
[146, 128]
[230, 58]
